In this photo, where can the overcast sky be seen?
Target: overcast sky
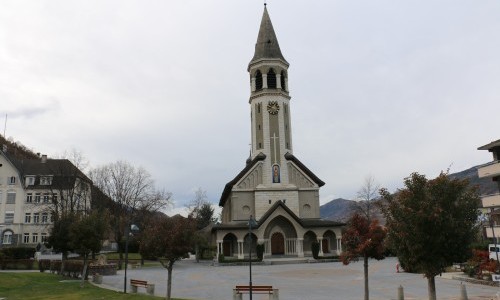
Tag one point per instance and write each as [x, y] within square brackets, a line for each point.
[378, 87]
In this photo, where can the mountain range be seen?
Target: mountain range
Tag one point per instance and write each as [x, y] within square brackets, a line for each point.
[340, 209]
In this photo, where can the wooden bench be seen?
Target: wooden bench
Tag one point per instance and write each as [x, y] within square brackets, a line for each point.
[134, 284]
[239, 290]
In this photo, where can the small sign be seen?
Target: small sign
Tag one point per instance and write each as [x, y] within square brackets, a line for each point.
[495, 277]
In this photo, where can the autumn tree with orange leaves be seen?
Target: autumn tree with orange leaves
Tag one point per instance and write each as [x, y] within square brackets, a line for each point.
[363, 238]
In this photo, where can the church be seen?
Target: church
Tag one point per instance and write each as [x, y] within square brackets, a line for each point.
[275, 191]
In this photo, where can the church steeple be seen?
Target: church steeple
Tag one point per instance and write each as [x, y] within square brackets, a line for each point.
[270, 104]
[267, 46]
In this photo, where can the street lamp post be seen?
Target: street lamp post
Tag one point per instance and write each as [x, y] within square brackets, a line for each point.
[251, 222]
[132, 227]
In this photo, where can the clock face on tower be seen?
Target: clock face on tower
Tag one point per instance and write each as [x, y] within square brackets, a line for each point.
[273, 107]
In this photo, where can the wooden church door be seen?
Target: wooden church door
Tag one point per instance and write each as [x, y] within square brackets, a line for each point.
[277, 243]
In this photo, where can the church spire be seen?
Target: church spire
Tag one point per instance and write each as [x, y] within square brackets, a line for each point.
[267, 44]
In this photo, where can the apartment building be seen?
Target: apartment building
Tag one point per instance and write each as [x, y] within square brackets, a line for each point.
[35, 191]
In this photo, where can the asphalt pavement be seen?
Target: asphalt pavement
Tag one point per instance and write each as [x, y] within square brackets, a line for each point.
[315, 281]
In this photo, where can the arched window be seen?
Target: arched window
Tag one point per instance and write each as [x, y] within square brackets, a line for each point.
[271, 79]
[283, 81]
[258, 80]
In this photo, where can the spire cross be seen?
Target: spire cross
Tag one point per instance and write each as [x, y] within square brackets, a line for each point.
[274, 137]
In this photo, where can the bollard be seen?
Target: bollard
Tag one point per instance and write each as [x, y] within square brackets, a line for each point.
[401, 294]
[150, 289]
[463, 292]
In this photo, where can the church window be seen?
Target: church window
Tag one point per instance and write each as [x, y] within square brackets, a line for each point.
[307, 207]
[258, 108]
[271, 79]
[269, 201]
[259, 126]
[260, 145]
[258, 80]
[283, 75]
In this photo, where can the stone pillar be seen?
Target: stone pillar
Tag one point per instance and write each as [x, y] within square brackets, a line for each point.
[240, 249]
[264, 81]
[252, 84]
[339, 248]
[219, 248]
[320, 241]
[278, 81]
[300, 247]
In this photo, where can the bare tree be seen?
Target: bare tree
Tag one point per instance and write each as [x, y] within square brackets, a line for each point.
[132, 190]
[365, 204]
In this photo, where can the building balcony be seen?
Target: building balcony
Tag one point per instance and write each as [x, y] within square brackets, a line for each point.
[489, 232]
[491, 200]
[489, 170]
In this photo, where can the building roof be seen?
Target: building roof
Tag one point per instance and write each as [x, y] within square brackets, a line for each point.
[267, 46]
[305, 223]
[63, 171]
[304, 169]
[491, 145]
[229, 185]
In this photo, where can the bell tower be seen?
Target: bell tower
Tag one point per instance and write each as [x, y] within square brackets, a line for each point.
[270, 105]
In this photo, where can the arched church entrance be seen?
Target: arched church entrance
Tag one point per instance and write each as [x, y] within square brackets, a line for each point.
[229, 245]
[277, 244]
[309, 238]
[280, 237]
[329, 243]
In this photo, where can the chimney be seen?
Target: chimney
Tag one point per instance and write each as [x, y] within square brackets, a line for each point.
[44, 158]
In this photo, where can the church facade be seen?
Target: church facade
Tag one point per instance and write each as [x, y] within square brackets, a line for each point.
[275, 192]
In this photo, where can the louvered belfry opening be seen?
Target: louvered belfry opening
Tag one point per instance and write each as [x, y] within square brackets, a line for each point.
[271, 79]
[258, 80]
[282, 79]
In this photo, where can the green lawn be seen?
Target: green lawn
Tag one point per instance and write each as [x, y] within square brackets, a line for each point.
[34, 285]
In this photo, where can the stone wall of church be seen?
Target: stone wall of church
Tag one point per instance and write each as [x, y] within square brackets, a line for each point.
[309, 204]
[242, 205]
[266, 198]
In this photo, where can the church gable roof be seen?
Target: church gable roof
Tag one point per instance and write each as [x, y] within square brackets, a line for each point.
[267, 44]
[304, 169]
[229, 186]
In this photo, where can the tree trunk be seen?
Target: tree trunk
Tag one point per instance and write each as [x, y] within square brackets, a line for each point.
[431, 286]
[170, 266]
[365, 265]
[84, 273]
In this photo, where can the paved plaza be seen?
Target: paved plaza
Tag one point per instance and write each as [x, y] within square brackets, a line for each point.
[318, 281]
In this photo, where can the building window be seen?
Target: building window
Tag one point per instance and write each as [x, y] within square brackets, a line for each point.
[12, 180]
[7, 238]
[36, 218]
[271, 79]
[283, 82]
[26, 238]
[11, 198]
[54, 198]
[258, 80]
[45, 218]
[35, 238]
[9, 217]
[37, 197]
[27, 218]
[30, 180]
[29, 197]
[45, 180]
[46, 198]
[44, 238]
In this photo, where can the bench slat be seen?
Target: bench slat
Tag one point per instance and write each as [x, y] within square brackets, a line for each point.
[258, 289]
[138, 282]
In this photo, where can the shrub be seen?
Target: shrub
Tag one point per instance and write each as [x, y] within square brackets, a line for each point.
[19, 252]
[260, 251]
[43, 264]
[221, 258]
[315, 249]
